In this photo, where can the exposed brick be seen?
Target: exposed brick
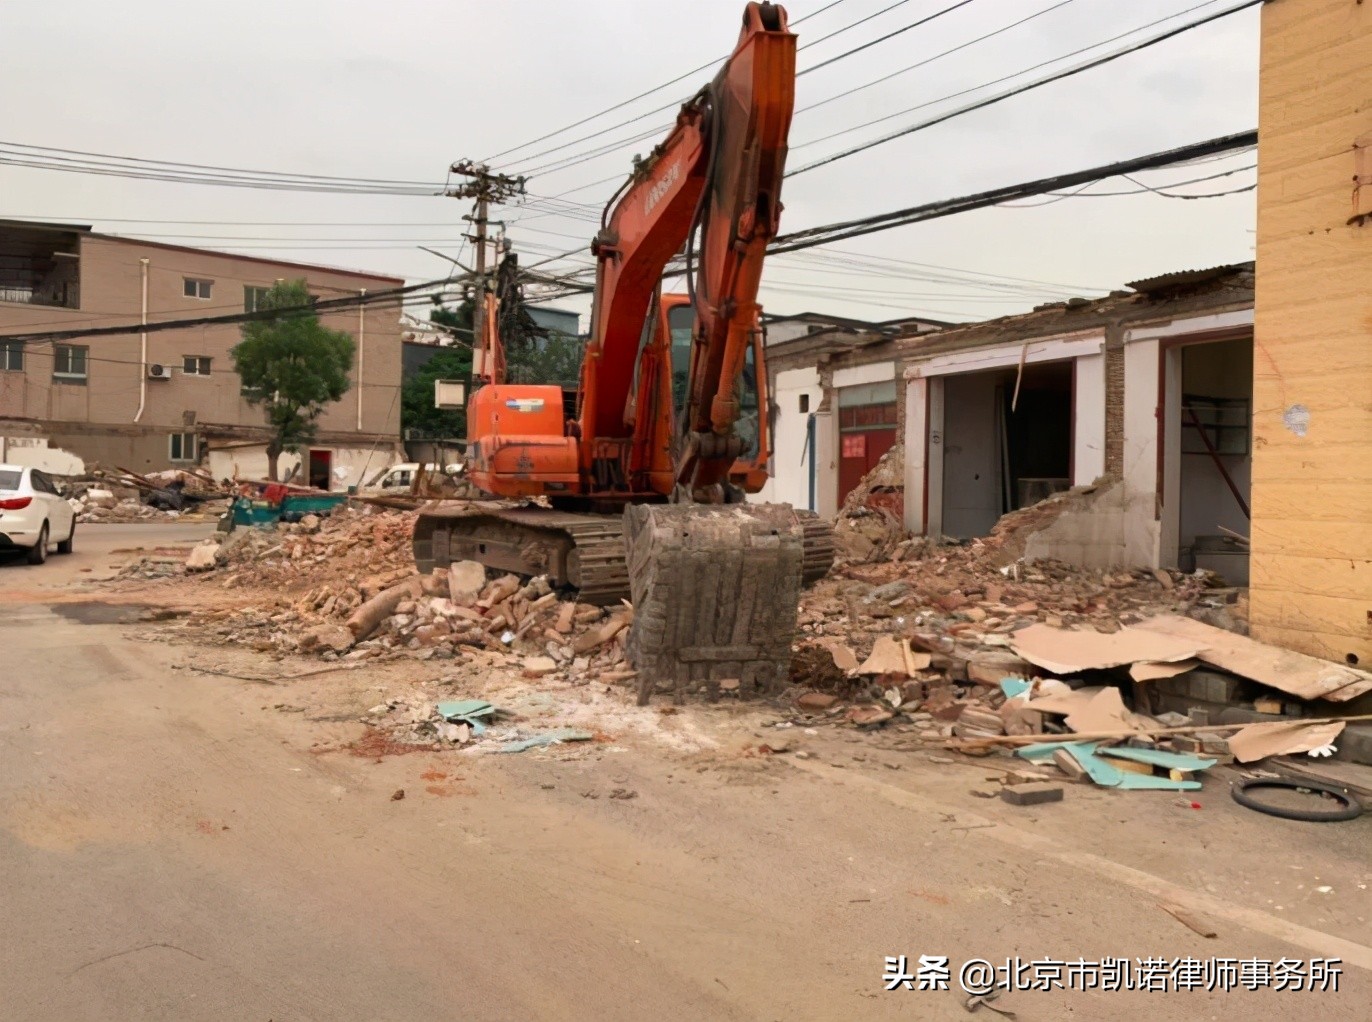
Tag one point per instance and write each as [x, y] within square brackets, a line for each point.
[1031, 794]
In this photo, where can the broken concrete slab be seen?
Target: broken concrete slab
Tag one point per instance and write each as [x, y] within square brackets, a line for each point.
[203, 556]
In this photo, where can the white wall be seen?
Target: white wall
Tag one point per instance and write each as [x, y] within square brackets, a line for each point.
[34, 452]
[350, 464]
[1141, 527]
[792, 457]
[1088, 439]
[916, 452]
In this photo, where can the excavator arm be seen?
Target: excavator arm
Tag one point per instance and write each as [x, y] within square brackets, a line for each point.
[712, 188]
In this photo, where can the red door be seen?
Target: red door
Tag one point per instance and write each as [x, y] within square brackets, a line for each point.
[859, 451]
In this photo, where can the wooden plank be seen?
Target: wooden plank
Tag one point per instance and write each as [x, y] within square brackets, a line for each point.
[1316, 575]
[1282, 669]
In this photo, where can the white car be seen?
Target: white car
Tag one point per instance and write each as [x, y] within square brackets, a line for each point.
[33, 515]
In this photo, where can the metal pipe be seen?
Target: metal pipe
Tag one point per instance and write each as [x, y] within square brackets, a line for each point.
[361, 349]
[143, 355]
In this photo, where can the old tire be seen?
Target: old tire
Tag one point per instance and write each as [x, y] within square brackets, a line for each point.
[65, 546]
[38, 553]
[1350, 808]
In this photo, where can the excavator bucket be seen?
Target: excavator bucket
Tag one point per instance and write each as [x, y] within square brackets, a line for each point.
[715, 592]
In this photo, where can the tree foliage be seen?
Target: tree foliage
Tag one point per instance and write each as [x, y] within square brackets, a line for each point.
[292, 367]
[533, 354]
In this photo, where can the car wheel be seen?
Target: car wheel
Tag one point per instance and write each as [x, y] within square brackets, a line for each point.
[38, 553]
[64, 547]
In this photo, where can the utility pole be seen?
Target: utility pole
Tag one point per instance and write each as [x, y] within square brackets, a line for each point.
[486, 188]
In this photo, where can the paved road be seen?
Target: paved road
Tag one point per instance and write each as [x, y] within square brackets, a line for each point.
[94, 552]
[172, 847]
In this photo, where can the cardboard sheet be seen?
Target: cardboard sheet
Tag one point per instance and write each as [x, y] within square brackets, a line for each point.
[893, 656]
[1065, 651]
[1104, 712]
[1151, 670]
[1280, 737]
[1282, 669]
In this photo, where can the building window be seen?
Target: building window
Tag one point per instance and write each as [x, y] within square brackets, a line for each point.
[69, 362]
[804, 403]
[182, 446]
[197, 288]
[195, 365]
[254, 298]
[12, 356]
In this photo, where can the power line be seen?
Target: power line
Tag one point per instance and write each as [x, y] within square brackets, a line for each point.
[991, 100]
[938, 56]
[928, 211]
[882, 39]
[658, 88]
[388, 296]
[563, 162]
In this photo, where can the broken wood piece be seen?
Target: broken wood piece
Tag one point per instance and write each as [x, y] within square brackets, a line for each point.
[1190, 919]
[893, 656]
[366, 618]
[1067, 651]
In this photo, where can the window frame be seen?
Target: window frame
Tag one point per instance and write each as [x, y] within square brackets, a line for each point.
[198, 361]
[68, 375]
[252, 297]
[8, 349]
[172, 439]
[199, 288]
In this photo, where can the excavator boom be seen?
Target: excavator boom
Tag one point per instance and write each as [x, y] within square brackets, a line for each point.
[670, 431]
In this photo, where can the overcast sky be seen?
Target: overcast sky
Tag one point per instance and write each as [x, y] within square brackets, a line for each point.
[400, 90]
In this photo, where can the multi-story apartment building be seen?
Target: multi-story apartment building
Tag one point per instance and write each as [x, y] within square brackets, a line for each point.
[147, 401]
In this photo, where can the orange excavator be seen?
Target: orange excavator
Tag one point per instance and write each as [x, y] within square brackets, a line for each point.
[641, 491]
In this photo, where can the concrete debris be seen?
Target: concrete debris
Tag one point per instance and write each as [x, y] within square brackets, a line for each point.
[202, 556]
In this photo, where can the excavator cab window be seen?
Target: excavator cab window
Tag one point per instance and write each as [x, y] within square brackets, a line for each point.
[681, 322]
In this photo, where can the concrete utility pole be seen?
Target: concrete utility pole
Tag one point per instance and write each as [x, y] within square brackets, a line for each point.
[486, 188]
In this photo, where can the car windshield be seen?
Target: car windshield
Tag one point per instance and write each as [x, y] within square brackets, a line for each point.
[9, 479]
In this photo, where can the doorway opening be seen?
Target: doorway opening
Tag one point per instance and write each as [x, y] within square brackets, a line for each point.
[321, 469]
[1003, 451]
[1214, 472]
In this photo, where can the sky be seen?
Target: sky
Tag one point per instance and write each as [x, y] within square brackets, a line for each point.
[401, 90]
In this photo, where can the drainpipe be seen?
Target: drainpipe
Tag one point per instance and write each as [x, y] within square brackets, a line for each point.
[361, 348]
[143, 357]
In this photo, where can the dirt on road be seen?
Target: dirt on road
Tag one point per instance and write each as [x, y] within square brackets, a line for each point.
[197, 831]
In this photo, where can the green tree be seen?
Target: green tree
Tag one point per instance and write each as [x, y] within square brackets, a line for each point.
[291, 367]
[417, 409]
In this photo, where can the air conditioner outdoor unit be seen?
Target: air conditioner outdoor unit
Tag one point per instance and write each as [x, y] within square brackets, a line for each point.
[159, 372]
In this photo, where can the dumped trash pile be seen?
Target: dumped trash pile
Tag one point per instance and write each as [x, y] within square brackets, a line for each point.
[122, 496]
[104, 507]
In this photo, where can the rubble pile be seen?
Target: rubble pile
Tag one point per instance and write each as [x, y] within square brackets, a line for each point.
[346, 588]
[869, 526]
[106, 509]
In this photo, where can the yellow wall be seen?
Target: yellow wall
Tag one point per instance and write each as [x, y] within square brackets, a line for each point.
[1312, 494]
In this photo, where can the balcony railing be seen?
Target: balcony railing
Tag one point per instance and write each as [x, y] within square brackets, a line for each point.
[62, 296]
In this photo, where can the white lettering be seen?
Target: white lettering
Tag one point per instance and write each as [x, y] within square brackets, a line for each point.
[660, 189]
